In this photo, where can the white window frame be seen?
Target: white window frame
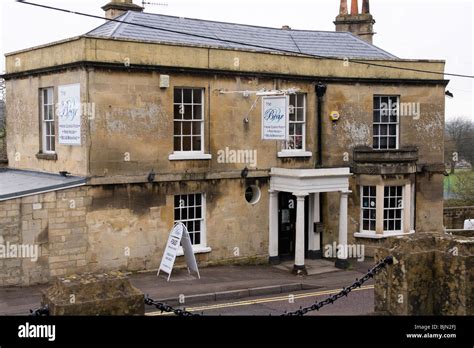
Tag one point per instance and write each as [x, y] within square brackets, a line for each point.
[362, 196]
[380, 204]
[402, 208]
[285, 151]
[189, 155]
[44, 122]
[202, 246]
[388, 124]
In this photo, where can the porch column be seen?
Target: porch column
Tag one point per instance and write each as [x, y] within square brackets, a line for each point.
[341, 261]
[273, 228]
[299, 268]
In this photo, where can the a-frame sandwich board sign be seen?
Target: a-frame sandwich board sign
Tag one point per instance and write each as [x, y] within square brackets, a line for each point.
[179, 236]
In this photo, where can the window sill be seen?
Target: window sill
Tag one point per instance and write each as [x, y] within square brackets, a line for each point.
[47, 156]
[296, 153]
[380, 236]
[196, 250]
[189, 157]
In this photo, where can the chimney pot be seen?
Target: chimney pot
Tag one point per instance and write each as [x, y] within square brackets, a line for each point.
[343, 9]
[355, 7]
[286, 27]
[365, 6]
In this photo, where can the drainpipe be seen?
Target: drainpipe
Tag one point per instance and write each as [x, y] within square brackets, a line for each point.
[320, 92]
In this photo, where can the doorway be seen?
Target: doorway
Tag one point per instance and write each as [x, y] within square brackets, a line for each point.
[287, 225]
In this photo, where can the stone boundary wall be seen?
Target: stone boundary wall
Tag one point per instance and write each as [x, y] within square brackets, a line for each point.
[454, 216]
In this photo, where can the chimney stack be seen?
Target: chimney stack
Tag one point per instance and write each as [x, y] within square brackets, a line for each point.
[360, 24]
[116, 8]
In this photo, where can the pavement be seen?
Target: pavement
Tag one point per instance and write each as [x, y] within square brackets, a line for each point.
[221, 284]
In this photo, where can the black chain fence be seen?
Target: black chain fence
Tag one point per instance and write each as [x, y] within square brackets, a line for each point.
[164, 308]
[345, 291]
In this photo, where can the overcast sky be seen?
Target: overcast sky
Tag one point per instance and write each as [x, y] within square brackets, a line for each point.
[424, 29]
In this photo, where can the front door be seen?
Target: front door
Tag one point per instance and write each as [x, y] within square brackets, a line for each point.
[287, 225]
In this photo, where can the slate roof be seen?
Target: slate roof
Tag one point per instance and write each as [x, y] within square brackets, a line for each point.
[321, 43]
[19, 183]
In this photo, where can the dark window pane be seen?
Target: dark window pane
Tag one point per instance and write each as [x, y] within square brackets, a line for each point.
[365, 190]
[187, 96]
[177, 95]
[198, 213]
[366, 225]
[186, 128]
[383, 129]
[383, 143]
[376, 129]
[197, 112]
[366, 214]
[197, 143]
[299, 129]
[299, 142]
[373, 214]
[398, 214]
[365, 202]
[177, 144]
[392, 129]
[197, 128]
[391, 225]
[372, 225]
[293, 100]
[197, 95]
[188, 112]
[372, 190]
[385, 203]
[177, 128]
[191, 200]
[392, 143]
[184, 214]
[376, 143]
[376, 116]
[398, 225]
[300, 114]
[376, 103]
[186, 144]
[177, 114]
[198, 199]
[393, 202]
[197, 239]
[393, 190]
[385, 225]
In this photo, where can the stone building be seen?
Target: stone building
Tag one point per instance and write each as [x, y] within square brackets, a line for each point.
[151, 126]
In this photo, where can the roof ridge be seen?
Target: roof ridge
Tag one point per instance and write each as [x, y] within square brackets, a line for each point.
[117, 27]
[370, 45]
[234, 23]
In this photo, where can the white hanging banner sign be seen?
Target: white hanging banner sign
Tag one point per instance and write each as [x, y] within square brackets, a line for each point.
[69, 113]
[275, 118]
[179, 236]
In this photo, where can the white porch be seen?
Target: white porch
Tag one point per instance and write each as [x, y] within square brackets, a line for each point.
[302, 183]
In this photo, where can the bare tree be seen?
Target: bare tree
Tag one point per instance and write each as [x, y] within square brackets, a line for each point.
[459, 141]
